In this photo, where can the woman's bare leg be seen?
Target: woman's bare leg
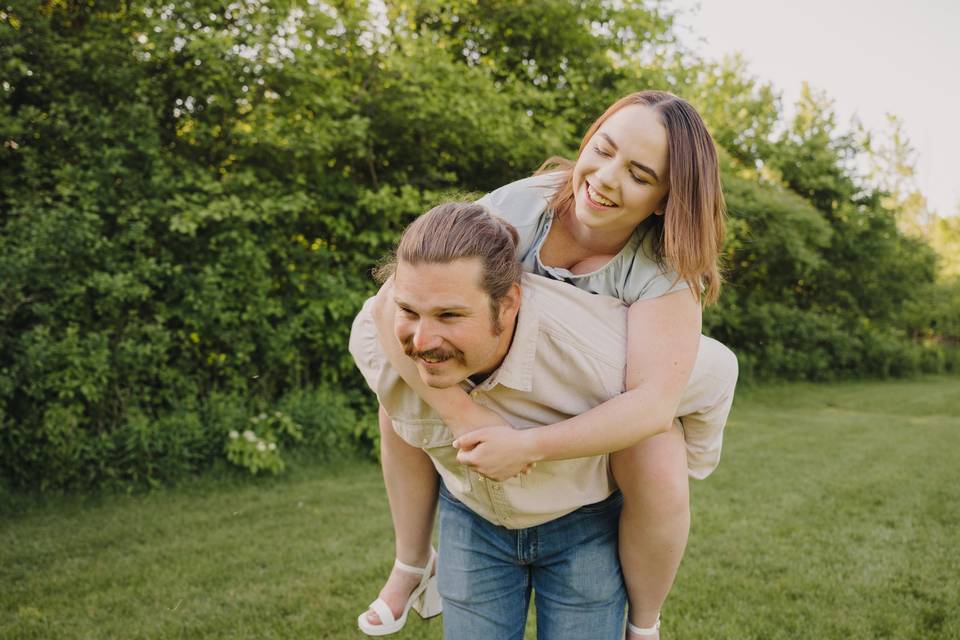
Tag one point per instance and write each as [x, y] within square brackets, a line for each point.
[655, 521]
[411, 482]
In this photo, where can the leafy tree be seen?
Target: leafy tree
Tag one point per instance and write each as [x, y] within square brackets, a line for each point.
[192, 196]
[893, 171]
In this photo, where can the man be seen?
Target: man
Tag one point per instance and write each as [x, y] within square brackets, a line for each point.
[537, 352]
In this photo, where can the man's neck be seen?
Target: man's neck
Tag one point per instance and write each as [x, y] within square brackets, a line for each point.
[503, 348]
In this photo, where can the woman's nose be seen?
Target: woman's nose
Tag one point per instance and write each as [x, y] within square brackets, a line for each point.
[605, 175]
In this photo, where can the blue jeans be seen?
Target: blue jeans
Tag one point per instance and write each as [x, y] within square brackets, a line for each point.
[486, 573]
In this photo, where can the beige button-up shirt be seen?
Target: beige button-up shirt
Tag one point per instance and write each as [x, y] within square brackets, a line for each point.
[568, 355]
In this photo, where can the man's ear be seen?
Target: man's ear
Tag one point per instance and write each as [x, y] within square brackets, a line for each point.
[510, 303]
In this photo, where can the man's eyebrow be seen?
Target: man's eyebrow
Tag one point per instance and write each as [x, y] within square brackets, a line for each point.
[441, 308]
[638, 165]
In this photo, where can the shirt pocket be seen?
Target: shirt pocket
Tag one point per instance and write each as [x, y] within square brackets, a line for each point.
[423, 434]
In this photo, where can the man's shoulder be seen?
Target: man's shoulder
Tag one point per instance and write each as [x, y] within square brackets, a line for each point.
[591, 323]
[364, 345]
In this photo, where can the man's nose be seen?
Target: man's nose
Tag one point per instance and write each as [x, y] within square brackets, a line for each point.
[425, 336]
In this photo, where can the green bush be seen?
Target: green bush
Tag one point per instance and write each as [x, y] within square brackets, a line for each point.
[191, 199]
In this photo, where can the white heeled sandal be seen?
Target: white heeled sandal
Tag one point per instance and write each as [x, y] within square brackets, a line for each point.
[424, 599]
[644, 632]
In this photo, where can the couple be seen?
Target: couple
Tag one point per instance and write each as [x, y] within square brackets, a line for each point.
[458, 343]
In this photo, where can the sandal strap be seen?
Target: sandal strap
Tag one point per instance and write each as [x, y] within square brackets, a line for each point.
[648, 631]
[415, 570]
[409, 568]
[382, 609]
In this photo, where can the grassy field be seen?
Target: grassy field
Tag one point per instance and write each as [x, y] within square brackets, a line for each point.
[834, 514]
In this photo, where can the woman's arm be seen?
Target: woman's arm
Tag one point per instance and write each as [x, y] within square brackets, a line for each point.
[662, 340]
[457, 410]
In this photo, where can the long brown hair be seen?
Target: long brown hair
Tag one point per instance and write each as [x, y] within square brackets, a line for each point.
[688, 238]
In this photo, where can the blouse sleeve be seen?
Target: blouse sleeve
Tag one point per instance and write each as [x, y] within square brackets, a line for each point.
[522, 204]
[644, 278]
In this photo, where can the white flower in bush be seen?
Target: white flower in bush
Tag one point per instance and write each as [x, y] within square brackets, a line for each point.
[258, 448]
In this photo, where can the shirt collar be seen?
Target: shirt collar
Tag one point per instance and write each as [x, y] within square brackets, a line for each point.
[516, 370]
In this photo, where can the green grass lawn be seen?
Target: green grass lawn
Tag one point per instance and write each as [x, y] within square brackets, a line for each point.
[834, 514]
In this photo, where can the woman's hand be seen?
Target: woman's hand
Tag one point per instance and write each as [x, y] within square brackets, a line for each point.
[498, 453]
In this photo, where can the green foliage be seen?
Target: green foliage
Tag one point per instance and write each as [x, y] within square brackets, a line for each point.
[256, 448]
[332, 426]
[945, 238]
[192, 196]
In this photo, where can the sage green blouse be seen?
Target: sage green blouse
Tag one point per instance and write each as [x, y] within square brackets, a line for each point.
[633, 274]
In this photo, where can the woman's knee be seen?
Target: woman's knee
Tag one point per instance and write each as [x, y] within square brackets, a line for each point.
[652, 474]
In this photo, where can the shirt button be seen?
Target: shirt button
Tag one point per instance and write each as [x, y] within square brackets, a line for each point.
[425, 440]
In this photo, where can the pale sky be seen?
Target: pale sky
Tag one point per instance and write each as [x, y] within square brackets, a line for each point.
[871, 57]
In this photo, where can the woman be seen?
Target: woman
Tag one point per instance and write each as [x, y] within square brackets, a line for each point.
[639, 216]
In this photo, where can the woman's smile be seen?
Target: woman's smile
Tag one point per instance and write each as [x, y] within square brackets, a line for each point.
[597, 198]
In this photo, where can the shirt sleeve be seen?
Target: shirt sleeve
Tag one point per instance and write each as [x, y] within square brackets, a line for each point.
[643, 278]
[522, 204]
[365, 347]
[662, 284]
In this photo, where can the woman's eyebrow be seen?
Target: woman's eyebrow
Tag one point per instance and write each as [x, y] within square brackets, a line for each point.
[638, 165]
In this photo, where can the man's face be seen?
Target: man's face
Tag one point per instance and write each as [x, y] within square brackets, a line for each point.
[443, 321]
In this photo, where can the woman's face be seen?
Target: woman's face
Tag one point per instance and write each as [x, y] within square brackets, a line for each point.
[621, 178]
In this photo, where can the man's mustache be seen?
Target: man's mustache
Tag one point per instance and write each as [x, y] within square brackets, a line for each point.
[432, 354]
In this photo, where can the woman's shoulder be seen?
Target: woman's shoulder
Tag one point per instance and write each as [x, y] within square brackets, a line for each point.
[522, 202]
[641, 275]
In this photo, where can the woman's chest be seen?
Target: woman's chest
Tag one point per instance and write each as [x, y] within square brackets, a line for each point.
[560, 249]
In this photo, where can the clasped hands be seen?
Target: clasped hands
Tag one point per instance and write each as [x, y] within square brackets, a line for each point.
[498, 453]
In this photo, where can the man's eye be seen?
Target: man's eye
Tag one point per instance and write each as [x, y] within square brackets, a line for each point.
[408, 313]
[449, 315]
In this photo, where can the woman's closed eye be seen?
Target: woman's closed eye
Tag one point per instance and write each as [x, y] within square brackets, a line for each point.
[602, 152]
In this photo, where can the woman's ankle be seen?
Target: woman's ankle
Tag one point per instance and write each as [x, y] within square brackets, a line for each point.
[644, 619]
[414, 556]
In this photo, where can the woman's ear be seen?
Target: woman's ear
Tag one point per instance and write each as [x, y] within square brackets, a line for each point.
[662, 207]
